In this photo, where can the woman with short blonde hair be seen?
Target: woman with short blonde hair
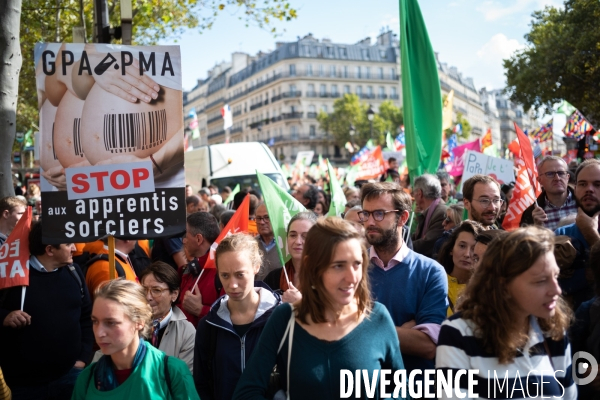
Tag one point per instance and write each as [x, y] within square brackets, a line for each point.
[129, 368]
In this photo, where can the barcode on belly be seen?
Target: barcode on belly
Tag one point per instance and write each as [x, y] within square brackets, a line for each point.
[77, 137]
[124, 133]
[53, 146]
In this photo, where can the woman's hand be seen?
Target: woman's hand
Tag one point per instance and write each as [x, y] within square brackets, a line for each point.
[56, 177]
[291, 295]
[131, 86]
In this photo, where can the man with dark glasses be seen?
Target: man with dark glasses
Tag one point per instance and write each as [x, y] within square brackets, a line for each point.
[557, 200]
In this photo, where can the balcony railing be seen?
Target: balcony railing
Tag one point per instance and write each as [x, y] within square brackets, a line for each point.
[311, 94]
[213, 119]
[291, 94]
[311, 115]
[292, 115]
[216, 134]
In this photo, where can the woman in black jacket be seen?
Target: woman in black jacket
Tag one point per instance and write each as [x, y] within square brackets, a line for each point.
[226, 337]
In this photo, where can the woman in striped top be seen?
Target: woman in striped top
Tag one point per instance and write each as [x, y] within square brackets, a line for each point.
[511, 323]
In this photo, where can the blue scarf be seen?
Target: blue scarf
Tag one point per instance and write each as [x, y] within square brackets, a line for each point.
[104, 375]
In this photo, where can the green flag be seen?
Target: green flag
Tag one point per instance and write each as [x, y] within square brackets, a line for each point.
[369, 145]
[566, 108]
[235, 191]
[351, 175]
[281, 207]
[338, 199]
[421, 93]
[389, 140]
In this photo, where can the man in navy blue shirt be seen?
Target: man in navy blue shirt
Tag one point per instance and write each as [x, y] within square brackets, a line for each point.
[413, 287]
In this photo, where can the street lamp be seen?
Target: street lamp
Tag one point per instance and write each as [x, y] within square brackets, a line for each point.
[370, 117]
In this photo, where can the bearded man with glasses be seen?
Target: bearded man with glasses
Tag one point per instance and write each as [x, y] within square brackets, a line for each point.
[557, 200]
[413, 287]
[481, 196]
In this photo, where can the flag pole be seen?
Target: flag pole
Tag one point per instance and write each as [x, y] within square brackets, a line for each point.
[112, 274]
[198, 280]
[23, 290]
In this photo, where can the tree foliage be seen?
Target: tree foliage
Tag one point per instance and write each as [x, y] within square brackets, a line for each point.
[465, 124]
[349, 111]
[561, 60]
[153, 20]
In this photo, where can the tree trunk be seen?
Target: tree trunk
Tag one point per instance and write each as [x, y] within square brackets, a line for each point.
[10, 67]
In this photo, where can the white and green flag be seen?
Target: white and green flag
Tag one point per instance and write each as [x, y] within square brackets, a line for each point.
[338, 200]
[235, 191]
[281, 207]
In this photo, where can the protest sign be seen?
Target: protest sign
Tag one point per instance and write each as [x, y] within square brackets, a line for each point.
[14, 255]
[111, 133]
[373, 166]
[458, 165]
[304, 157]
[481, 164]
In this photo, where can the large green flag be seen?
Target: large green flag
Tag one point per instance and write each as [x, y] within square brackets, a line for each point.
[235, 191]
[338, 199]
[281, 207]
[421, 93]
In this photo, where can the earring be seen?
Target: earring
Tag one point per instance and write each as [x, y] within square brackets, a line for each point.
[313, 287]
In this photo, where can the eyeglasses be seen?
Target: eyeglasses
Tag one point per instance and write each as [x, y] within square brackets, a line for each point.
[447, 219]
[378, 215]
[265, 219]
[486, 202]
[154, 291]
[561, 174]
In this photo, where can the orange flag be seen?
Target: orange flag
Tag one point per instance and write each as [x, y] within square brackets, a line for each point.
[486, 140]
[238, 223]
[14, 255]
[523, 197]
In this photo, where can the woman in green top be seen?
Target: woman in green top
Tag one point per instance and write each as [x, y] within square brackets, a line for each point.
[129, 368]
[456, 256]
[334, 327]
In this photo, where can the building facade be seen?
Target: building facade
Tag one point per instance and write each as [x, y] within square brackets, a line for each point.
[276, 96]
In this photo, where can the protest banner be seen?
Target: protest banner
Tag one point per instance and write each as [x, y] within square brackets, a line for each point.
[458, 165]
[478, 163]
[373, 166]
[111, 129]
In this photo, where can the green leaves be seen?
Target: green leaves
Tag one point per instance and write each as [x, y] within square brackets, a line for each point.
[348, 110]
[561, 61]
[153, 20]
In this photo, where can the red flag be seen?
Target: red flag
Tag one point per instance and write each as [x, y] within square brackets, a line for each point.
[373, 166]
[523, 197]
[14, 255]
[238, 223]
[527, 157]
[486, 140]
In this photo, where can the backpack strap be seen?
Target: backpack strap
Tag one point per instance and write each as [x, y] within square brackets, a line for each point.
[119, 269]
[77, 278]
[167, 374]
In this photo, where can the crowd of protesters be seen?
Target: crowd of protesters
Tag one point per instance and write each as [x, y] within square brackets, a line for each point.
[412, 276]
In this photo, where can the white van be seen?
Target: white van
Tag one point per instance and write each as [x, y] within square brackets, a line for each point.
[230, 164]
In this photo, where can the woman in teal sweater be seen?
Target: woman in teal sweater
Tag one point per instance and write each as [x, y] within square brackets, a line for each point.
[335, 326]
[129, 368]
